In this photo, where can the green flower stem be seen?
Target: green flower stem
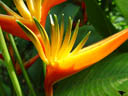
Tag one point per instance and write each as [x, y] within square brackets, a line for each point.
[9, 65]
[22, 65]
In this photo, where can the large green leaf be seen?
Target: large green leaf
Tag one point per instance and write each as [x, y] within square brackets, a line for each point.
[123, 6]
[105, 78]
[98, 19]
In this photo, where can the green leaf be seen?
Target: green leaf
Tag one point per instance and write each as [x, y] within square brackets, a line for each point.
[123, 86]
[126, 94]
[123, 6]
[68, 9]
[5, 89]
[98, 19]
[101, 79]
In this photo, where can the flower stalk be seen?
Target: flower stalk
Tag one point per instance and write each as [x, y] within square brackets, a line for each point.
[9, 65]
[20, 62]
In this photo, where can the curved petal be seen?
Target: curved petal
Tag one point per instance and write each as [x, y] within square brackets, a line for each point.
[8, 24]
[22, 8]
[35, 40]
[46, 6]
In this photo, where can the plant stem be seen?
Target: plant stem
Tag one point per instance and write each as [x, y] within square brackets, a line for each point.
[9, 65]
[27, 64]
[21, 65]
[48, 88]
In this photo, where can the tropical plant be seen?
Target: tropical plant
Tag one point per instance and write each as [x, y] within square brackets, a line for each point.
[59, 33]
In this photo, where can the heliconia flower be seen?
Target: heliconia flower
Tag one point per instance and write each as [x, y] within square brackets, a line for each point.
[60, 57]
[36, 8]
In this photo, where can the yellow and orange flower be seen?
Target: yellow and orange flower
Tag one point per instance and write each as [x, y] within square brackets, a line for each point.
[32, 8]
[36, 8]
[60, 57]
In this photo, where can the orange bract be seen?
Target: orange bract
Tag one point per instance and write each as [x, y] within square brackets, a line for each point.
[8, 23]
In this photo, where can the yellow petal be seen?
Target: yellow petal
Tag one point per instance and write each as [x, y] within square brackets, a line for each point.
[23, 10]
[66, 41]
[31, 7]
[35, 41]
[45, 38]
[72, 41]
[61, 30]
[37, 6]
[56, 33]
